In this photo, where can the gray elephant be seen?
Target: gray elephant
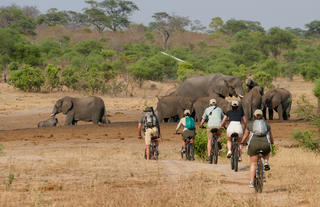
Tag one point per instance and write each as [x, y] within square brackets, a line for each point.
[169, 107]
[278, 99]
[252, 101]
[81, 109]
[251, 84]
[202, 103]
[205, 86]
[51, 122]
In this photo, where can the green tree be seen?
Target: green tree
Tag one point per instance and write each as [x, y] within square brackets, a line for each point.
[166, 24]
[279, 39]
[313, 28]
[54, 17]
[70, 78]
[263, 79]
[316, 92]
[27, 79]
[97, 18]
[233, 26]
[13, 17]
[185, 70]
[52, 76]
[216, 23]
[113, 14]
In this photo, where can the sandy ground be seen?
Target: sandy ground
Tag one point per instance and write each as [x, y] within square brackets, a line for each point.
[90, 165]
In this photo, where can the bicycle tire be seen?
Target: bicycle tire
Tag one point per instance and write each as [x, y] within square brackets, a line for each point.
[216, 151]
[258, 181]
[156, 153]
[192, 151]
[236, 157]
[189, 151]
[181, 152]
[232, 156]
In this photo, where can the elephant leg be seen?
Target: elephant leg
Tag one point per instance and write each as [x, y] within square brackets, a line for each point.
[280, 112]
[69, 120]
[264, 110]
[270, 110]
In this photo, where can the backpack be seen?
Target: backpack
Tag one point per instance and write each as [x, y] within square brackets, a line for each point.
[189, 123]
[260, 128]
[150, 120]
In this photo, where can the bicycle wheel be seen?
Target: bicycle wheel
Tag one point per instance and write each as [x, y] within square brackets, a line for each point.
[145, 153]
[182, 152]
[155, 153]
[211, 152]
[188, 152]
[191, 151]
[258, 180]
[216, 151]
[232, 156]
[236, 157]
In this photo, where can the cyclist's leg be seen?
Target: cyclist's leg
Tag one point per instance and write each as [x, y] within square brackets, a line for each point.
[209, 136]
[253, 166]
[147, 138]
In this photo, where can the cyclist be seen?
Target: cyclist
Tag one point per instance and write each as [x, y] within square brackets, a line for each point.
[235, 116]
[188, 128]
[149, 124]
[260, 138]
[214, 115]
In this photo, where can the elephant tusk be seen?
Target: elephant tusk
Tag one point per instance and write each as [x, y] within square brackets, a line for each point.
[241, 96]
[52, 115]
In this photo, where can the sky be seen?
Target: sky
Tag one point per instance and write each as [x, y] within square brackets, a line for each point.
[270, 13]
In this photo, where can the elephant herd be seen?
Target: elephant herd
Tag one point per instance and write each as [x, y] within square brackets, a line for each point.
[194, 94]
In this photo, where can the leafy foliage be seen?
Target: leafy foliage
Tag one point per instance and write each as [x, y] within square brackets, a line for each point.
[28, 78]
[52, 76]
[308, 140]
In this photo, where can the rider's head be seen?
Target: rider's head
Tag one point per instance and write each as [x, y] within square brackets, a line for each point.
[235, 105]
[148, 109]
[186, 112]
[212, 102]
[258, 114]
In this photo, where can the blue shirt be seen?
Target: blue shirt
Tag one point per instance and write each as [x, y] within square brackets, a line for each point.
[214, 115]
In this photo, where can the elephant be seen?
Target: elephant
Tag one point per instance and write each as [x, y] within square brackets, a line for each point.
[51, 122]
[251, 84]
[205, 86]
[278, 99]
[169, 107]
[88, 109]
[202, 103]
[252, 101]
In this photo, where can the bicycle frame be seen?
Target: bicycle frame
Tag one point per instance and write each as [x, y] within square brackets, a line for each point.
[153, 151]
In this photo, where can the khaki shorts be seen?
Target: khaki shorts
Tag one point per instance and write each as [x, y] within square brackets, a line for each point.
[235, 127]
[149, 133]
[209, 133]
[188, 133]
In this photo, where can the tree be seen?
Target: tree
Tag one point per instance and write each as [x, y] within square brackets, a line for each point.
[279, 39]
[263, 79]
[216, 23]
[97, 18]
[233, 26]
[313, 28]
[12, 17]
[316, 92]
[166, 24]
[30, 11]
[112, 14]
[196, 26]
[53, 17]
[77, 19]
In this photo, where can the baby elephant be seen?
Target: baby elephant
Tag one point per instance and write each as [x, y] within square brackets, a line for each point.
[51, 122]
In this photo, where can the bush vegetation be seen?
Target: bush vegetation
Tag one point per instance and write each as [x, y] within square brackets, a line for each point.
[235, 47]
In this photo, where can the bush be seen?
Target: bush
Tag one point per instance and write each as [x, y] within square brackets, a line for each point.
[52, 76]
[308, 140]
[185, 70]
[27, 79]
[263, 79]
[13, 66]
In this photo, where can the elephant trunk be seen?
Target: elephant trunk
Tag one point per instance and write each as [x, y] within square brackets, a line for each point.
[54, 111]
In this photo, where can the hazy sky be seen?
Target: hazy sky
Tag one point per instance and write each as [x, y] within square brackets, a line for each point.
[270, 13]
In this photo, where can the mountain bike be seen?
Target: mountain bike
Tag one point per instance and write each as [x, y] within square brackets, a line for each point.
[153, 152]
[234, 152]
[258, 178]
[214, 146]
[189, 149]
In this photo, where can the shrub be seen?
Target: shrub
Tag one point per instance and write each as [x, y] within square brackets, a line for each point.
[27, 79]
[185, 70]
[13, 66]
[308, 140]
[263, 79]
[52, 76]
[200, 144]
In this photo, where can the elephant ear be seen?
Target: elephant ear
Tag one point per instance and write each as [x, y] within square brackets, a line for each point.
[66, 105]
[186, 102]
[221, 88]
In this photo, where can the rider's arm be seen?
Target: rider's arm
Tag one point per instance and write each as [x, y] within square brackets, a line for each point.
[224, 121]
[202, 121]
[139, 129]
[245, 136]
[179, 125]
[271, 137]
[244, 120]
